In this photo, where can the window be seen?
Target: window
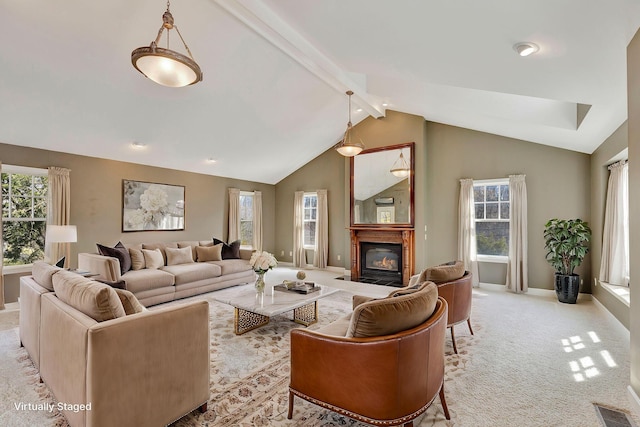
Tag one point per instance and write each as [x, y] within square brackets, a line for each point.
[310, 203]
[24, 214]
[246, 219]
[492, 217]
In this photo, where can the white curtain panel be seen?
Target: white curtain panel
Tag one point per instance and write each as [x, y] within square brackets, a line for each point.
[58, 210]
[517, 269]
[467, 251]
[320, 258]
[234, 215]
[1, 259]
[257, 220]
[299, 255]
[614, 264]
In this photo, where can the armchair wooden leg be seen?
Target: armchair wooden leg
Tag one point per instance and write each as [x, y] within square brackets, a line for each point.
[469, 323]
[203, 407]
[443, 401]
[409, 424]
[453, 339]
[290, 414]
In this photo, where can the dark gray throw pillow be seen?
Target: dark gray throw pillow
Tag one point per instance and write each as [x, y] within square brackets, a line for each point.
[229, 251]
[118, 251]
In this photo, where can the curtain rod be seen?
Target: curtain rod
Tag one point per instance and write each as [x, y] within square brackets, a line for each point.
[621, 162]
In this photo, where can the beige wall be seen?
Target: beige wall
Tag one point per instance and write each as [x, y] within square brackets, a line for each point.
[600, 158]
[557, 186]
[633, 99]
[96, 199]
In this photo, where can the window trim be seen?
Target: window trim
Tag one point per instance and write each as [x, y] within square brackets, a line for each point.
[309, 193]
[498, 259]
[246, 194]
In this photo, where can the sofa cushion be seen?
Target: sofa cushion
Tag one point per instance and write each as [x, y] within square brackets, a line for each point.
[209, 253]
[443, 273]
[179, 256]
[137, 259]
[147, 279]
[129, 302]
[96, 300]
[153, 258]
[162, 247]
[393, 314]
[229, 251]
[187, 273]
[230, 266]
[118, 251]
[43, 274]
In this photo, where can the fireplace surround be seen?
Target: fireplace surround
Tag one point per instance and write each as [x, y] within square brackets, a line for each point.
[390, 253]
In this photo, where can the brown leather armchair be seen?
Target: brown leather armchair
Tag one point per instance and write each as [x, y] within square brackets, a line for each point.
[458, 294]
[381, 380]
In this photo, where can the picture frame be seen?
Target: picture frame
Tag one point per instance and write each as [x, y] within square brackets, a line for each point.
[150, 206]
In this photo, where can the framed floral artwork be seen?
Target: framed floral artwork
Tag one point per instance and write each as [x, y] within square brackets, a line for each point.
[148, 206]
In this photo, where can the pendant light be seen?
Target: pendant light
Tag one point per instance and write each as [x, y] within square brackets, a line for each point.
[400, 168]
[164, 66]
[347, 147]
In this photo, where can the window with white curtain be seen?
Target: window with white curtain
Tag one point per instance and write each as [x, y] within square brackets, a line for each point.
[491, 203]
[246, 219]
[24, 214]
[310, 206]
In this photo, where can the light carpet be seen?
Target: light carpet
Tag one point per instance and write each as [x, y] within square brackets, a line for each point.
[532, 362]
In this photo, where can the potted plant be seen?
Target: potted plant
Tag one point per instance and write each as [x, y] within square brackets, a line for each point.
[567, 243]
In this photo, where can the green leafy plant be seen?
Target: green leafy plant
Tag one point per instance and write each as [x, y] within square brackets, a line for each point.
[567, 243]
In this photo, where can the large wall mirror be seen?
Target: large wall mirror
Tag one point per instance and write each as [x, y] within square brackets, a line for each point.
[382, 182]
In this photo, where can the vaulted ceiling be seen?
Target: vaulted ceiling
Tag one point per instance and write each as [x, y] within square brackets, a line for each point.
[276, 73]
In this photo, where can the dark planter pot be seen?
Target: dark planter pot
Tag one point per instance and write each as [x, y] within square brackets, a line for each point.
[567, 288]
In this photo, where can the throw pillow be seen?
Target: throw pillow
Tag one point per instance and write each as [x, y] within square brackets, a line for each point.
[359, 299]
[443, 273]
[137, 259]
[43, 274]
[209, 253]
[129, 302]
[229, 251]
[118, 251]
[179, 256]
[153, 258]
[393, 314]
[120, 284]
[96, 300]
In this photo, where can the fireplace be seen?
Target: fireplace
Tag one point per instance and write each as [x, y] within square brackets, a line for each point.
[382, 255]
[381, 261]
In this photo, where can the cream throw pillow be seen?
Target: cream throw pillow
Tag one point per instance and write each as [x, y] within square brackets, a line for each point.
[179, 256]
[209, 253]
[96, 300]
[137, 259]
[153, 258]
[129, 302]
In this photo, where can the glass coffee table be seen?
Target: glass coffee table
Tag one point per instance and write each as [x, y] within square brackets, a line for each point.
[253, 310]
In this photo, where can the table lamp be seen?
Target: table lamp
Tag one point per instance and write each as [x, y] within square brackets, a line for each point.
[62, 234]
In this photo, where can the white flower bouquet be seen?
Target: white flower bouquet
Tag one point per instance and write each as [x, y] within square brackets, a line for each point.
[262, 261]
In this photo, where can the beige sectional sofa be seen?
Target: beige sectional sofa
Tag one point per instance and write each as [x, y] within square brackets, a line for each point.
[108, 360]
[171, 280]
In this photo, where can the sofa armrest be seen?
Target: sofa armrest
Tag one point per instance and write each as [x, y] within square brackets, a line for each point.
[149, 368]
[30, 302]
[107, 268]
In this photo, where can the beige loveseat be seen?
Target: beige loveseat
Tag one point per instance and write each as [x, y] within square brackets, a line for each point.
[131, 366]
[171, 280]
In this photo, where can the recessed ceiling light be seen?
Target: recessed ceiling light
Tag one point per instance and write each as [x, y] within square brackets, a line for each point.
[211, 160]
[525, 48]
[385, 104]
[358, 110]
[138, 145]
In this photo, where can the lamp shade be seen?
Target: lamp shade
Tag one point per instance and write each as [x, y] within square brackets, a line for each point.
[61, 233]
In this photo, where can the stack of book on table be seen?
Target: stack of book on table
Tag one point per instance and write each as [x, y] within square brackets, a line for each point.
[297, 287]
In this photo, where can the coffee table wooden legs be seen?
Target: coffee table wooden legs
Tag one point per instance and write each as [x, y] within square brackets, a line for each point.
[245, 321]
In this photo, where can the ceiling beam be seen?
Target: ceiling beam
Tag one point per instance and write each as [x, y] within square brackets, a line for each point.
[263, 21]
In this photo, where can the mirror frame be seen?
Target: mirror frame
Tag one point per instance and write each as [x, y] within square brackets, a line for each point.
[410, 224]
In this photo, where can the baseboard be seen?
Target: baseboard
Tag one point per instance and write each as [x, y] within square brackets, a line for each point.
[634, 401]
[533, 291]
